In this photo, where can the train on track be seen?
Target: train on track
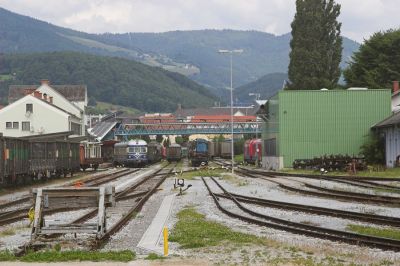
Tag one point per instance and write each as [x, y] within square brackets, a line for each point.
[23, 160]
[198, 152]
[221, 149]
[131, 153]
[252, 151]
[90, 155]
[174, 152]
[154, 152]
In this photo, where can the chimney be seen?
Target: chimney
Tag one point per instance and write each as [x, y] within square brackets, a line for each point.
[28, 91]
[37, 94]
[45, 97]
[45, 82]
[51, 99]
[179, 106]
[395, 86]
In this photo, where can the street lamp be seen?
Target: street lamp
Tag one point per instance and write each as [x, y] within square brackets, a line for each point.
[231, 52]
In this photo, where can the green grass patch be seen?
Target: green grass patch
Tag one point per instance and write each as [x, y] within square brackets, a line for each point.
[7, 256]
[78, 255]
[217, 172]
[194, 231]
[5, 77]
[386, 190]
[239, 158]
[103, 108]
[154, 256]
[7, 232]
[235, 180]
[373, 231]
[390, 172]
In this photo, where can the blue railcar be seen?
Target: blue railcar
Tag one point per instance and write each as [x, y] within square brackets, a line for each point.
[132, 153]
[198, 152]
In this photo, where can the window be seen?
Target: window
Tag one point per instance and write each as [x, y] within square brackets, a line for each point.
[8, 125]
[15, 125]
[26, 126]
[29, 107]
[76, 128]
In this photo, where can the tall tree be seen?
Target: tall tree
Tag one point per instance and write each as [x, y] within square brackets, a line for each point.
[377, 63]
[316, 45]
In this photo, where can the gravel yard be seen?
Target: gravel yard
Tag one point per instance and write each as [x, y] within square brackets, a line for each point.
[282, 248]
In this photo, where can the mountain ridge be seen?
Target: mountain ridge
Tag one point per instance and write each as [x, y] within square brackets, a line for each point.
[191, 53]
[108, 79]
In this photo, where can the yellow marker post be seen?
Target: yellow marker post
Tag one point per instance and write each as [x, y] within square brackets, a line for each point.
[165, 241]
[31, 215]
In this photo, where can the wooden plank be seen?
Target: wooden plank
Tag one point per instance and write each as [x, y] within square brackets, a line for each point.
[102, 212]
[68, 231]
[70, 225]
[38, 213]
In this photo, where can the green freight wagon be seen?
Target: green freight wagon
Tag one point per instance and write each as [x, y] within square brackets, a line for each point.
[308, 124]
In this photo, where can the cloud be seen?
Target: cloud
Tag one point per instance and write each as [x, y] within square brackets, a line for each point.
[360, 18]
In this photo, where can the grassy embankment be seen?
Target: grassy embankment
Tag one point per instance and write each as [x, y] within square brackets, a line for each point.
[71, 255]
[194, 231]
[374, 231]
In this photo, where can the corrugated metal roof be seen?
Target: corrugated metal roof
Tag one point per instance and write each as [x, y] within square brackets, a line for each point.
[73, 93]
[390, 121]
[101, 129]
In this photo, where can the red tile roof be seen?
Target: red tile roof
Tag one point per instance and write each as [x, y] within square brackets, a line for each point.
[222, 118]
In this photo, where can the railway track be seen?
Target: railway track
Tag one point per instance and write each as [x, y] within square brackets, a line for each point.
[349, 181]
[134, 192]
[332, 193]
[299, 228]
[316, 190]
[18, 214]
[370, 218]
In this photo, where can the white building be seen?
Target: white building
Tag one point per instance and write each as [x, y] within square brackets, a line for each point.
[44, 109]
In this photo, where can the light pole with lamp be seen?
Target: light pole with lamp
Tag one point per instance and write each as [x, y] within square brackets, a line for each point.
[231, 52]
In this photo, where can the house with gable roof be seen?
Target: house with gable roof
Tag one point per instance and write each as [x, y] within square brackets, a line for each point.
[44, 109]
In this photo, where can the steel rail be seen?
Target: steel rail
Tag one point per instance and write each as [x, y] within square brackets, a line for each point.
[370, 218]
[123, 195]
[362, 183]
[126, 218]
[7, 217]
[359, 178]
[309, 230]
[344, 195]
[29, 197]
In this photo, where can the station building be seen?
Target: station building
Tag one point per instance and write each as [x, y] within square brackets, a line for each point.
[308, 124]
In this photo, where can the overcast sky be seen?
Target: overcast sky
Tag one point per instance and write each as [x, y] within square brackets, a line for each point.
[360, 18]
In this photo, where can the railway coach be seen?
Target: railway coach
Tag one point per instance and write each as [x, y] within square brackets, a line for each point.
[174, 152]
[154, 152]
[90, 155]
[131, 153]
[23, 160]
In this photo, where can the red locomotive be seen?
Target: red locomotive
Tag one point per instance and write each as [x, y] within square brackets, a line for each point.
[253, 151]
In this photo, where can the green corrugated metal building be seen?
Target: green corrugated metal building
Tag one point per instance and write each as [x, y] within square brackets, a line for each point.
[308, 124]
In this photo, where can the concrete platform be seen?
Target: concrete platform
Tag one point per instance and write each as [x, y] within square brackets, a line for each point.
[152, 239]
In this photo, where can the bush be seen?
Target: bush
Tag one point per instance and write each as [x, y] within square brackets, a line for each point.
[373, 149]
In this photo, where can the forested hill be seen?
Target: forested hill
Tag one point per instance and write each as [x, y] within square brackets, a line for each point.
[266, 86]
[263, 53]
[193, 53]
[108, 79]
